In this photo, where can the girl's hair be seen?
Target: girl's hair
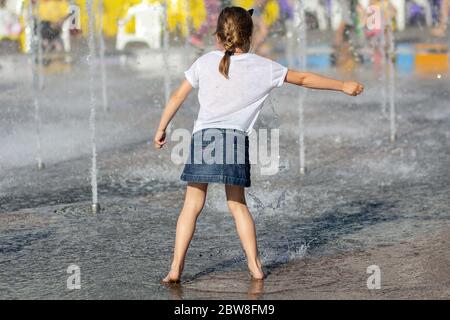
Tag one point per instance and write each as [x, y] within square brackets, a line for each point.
[234, 30]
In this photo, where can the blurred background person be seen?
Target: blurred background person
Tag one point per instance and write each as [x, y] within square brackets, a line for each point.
[212, 13]
[262, 29]
[352, 12]
[345, 55]
[52, 14]
[440, 30]
[378, 44]
[266, 13]
[286, 9]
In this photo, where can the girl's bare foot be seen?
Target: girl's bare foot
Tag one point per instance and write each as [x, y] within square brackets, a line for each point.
[256, 271]
[169, 279]
[257, 275]
[173, 276]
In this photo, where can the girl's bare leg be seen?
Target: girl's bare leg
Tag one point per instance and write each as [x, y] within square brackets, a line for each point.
[440, 30]
[245, 228]
[193, 205]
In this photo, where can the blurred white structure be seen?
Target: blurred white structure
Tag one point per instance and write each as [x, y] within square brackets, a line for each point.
[65, 35]
[148, 25]
[9, 20]
[336, 12]
[74, 22]
[316, 8]
[400, 17]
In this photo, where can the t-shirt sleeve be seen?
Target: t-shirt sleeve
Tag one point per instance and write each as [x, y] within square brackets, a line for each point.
[278, 74]
[192, 75]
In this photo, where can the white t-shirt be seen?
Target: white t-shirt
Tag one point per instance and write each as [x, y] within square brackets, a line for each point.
[233, 103]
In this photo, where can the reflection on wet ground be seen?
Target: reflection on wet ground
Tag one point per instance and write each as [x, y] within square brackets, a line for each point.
[409, 270]
[363, 201]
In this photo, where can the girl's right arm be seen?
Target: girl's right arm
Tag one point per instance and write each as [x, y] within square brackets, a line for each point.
[176, 100]
[315, 81]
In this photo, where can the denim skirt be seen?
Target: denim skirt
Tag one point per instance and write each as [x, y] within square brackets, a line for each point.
[218, 156]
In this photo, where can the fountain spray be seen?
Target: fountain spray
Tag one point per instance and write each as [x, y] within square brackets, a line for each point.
[383, 75]
[40, 54]
[391, 70]
[186, 9]
[92, 118]
[290, 42]
[166, 60]
[34, 48]
[102, 56]
[388, 71]
[300, 29]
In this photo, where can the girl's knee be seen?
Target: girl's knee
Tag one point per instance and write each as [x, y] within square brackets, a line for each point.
[237, 207]
[194, 206]
[195, 197]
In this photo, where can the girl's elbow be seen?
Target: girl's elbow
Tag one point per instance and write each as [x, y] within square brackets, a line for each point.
[302, 78]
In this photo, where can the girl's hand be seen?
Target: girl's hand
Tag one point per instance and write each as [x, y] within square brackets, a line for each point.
[160, 139]
[352, 88]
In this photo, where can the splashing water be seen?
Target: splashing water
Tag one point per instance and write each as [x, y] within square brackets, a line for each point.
[298, 253]
[267, 205]
[271, 256]
[300, 27]
[391, 71]
[92, 118]
[35, 44]
[102, 57]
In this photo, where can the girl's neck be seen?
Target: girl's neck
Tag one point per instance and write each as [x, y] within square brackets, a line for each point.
[237, 52]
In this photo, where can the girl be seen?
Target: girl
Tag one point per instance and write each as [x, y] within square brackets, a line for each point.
[233, 84]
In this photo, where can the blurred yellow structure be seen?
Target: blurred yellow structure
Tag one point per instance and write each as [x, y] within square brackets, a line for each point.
[180, 13]
[53, 10]
[23, 18]
[271, 12]
[177, 12]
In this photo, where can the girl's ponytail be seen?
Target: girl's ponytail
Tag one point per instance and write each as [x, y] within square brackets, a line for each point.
[224, 65]
[234, 30]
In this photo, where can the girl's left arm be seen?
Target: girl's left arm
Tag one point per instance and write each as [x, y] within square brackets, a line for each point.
[176, 100]
[315, 81]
